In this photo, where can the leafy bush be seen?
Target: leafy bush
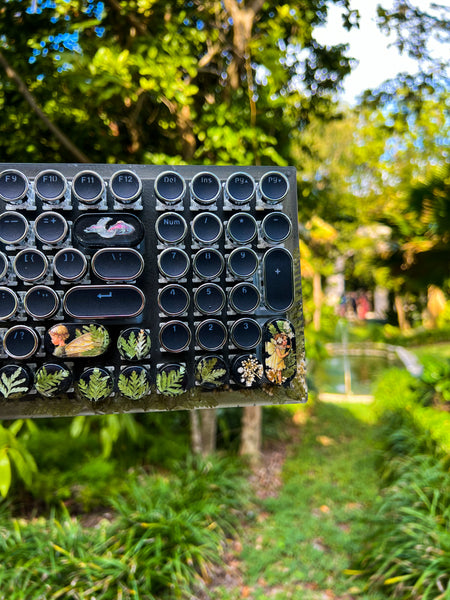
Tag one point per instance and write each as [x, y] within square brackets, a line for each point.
[434, 387]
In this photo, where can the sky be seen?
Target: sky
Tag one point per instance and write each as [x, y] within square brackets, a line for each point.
[377, 61]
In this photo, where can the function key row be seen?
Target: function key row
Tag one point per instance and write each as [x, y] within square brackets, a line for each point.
[89, 188]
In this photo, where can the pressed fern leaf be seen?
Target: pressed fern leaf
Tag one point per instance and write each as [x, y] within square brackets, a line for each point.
[134, 386]
[128, 346]
[48, 384]
[11, 385]
[143, 344]
[98, 388]
[170, 383]
[206, 372]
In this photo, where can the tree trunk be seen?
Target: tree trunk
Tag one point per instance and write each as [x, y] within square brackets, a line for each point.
[251, 435]
[401, 316]
[203, 431]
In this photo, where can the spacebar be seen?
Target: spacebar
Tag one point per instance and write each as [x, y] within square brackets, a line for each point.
[104, 302]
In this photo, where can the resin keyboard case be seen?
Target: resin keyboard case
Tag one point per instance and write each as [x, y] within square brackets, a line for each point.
[132, 288]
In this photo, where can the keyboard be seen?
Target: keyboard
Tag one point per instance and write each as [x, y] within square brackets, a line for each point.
[133, 288]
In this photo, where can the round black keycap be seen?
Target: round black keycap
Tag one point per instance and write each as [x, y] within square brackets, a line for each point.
[50, 227]
[117, 264]
[211, 371]
[172, 379]
[41, 302]
[173, 263]
[244, 298]
[69, 264]
[13, 186]
[173, 299]
[134, 343]
[207, 228]
[205, 188]
[175, 336]
[88, 187]
[95, 384]
[52, 379]
[209, 298]
[276, 227]
[211, 335]
[242, 228]
[240, 188]
[171, 228]
[134, 382]
[18, 379]
[243, 262]
[208, 263]
[247, 371]
[20, 342]
[274, 187]
[126, 186]
[246, 333]
[170, 187]
[30, 265]
[3, 265]
[13, 228]
[50, 186]
[8, 303]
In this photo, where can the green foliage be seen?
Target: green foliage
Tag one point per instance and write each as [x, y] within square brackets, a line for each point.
[109, 427]
[207, 372]
[11, 386]
[98, 387]
[14, 456]
[135, 347]
[134, 386]
[435, 380]
[48, 384]
[170, 383]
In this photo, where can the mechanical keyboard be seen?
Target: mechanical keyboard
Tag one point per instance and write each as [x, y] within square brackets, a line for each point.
[132, 288]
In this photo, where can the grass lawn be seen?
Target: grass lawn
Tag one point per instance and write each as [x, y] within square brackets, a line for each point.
[302, 542]
[440, 350]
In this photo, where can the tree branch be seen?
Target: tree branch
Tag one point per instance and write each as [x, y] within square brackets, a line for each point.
[59, 135]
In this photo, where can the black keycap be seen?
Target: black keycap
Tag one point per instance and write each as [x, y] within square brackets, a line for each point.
[280, 360]
[173, 263]
[211, 372]
[3, 265]
[50, 186]
[17, 381]
[244, 298]
[240, 188]
[41, 302]
[276, 227]
[70, 340]
[246, 333]
[205, 188]
[172, 379]
[13, 228]
[274, 187]
[175, 336]
[8, 303]
[20, 342]
[208, 263]
[278, 279]
[243, 262]
[30, 265]
[209, 298]
[103, 301]
[88, 187]
[69, 264]
[134, 382]
[126, 186]
[173, 299]
[207, 228]
[13, 186]
[242, 228]
[50, 227]
[171, 228]
[134, 343]
[95, 384]
[52, 379]
[107, 230]
[247, 371]
[170, 187]
[119, 264]
[211, 334]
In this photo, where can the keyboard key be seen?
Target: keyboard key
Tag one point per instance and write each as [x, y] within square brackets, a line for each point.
[211, 335]
[13, 186]
[30, 265]
[242, 228]
[95, 384]
[134, 343]
[205, 188]
[13, 227]
[280, 362]
[244, 298]
[243, 262]
[246, 333]
[134, 382]
[70, 340]
[171, 379]
[276, 227]
[8, 303]
[278, 279]
[173, 263]
[41, 302]
[126, 187]
[50, 228]
[20, 342]
[175, 336]
[88, 187]
[247, 371]
[170, 187]
[207, 228]
[211, 372]
[69, 264]
[209, 298]
[50, 186]
[171, 228]
[103, 230]
[274, 187]
[117, 264]
[173, 299]
[240, 188]
[104, 302]
[15, 381]
[208, 263]
[52, 379]
[3, 265]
